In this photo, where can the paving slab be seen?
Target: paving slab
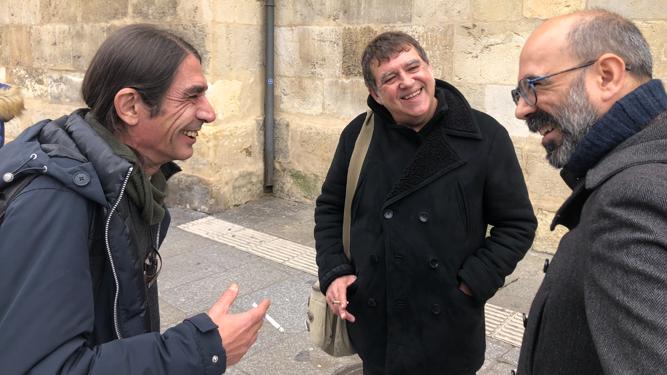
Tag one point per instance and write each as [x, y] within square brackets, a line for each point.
[197, 269]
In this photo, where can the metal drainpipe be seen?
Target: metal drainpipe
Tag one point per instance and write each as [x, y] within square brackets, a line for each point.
[269, 149]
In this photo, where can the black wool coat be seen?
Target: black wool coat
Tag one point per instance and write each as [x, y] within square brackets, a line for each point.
[419, 227]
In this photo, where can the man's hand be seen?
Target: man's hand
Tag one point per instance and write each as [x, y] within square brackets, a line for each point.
[238, 331]
[337, 297]
[465, 289]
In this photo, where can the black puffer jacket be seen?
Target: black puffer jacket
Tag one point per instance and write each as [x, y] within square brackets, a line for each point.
[419, 227]
[73, 298]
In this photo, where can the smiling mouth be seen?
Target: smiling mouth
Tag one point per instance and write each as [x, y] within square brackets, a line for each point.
[545, 130]
[191, 133]
[410, 96]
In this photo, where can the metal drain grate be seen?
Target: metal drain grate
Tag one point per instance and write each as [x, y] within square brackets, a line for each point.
[501, 324]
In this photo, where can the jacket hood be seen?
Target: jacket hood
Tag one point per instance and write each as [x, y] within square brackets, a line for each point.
[69, 151]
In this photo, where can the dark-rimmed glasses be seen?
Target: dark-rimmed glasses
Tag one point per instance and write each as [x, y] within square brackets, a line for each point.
[526, 87]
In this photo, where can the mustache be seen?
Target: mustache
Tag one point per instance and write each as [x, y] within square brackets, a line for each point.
[540, 118]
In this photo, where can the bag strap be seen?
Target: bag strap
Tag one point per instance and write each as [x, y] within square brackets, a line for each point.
[353, 171]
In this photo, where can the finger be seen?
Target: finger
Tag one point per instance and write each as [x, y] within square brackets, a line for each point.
[223, 303]
[261, 309]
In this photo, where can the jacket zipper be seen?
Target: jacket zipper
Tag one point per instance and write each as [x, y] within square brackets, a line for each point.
[113, 267]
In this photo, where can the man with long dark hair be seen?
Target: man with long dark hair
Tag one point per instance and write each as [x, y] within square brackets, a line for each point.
[79, 243]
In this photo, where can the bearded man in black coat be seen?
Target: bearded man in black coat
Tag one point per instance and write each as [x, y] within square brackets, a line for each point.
[437, 174]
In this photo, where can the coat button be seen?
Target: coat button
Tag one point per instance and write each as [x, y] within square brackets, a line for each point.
[525, 321]
[423, 216]
[388, 214]
[371, 302]
[81, 179]
[375, 259]
[546, 265]
[433, 263]
[435, 309]
[215, 359]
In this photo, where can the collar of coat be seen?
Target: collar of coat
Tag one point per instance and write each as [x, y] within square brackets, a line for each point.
[435, 156]
[646, 147]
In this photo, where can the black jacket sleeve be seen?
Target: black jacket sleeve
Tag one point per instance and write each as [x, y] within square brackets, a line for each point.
[47, 305]
[331, 260]
[508, 210]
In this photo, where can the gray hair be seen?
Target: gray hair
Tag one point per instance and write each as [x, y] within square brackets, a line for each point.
[382, 48]
[602, 31]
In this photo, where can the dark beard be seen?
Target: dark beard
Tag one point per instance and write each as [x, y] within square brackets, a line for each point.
[574, 118]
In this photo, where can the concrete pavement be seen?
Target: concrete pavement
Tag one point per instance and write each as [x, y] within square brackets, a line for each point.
[203, 255]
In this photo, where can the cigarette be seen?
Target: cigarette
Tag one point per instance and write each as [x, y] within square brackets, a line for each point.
[271, 320]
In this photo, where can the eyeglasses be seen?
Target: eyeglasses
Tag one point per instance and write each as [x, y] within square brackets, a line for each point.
[526, 87]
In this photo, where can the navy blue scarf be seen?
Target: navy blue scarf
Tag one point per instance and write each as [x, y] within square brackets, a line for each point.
[625, 118]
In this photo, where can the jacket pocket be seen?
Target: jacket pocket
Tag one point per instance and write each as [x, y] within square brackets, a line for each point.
[463, 206]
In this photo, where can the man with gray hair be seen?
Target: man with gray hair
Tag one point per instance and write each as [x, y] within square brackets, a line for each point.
[585, 84]
[436, 175]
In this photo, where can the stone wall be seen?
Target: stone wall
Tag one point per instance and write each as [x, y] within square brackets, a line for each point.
[47, 45]
[474, 44]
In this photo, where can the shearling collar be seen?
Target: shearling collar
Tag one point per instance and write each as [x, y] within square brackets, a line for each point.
[435, 156]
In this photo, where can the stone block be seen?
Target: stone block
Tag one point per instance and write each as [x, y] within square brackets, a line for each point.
[547, 190]
[52, 46]
[546, 241]
[240, 12]
[308, 52]
[104, 10]
[300, 95]
[54, 11]
[488, 53]
[20, 12]
[498, 103]
[329, 12]
[345, 98]
[474, 93]
[438, 12]
[436, 41]
[544, 9]
[195, 10]
[493, 10]
[235, 100]
[17, 48]
[380, 11]
[636, 9]
[32, 80]
[192, 192]
[196, 34]
[154, 10]
[236, 48]
[65, 87]
[87, 39]
[655, 33]
[355, 40]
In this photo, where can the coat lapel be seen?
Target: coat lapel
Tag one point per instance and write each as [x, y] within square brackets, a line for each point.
[436, 157]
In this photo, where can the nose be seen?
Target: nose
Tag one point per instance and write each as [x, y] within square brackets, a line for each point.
[406, 80]
[522, 109]
[205, 112]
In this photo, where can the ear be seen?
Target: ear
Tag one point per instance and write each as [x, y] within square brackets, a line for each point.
[374, 95]
[611, 76]
[127, 102]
